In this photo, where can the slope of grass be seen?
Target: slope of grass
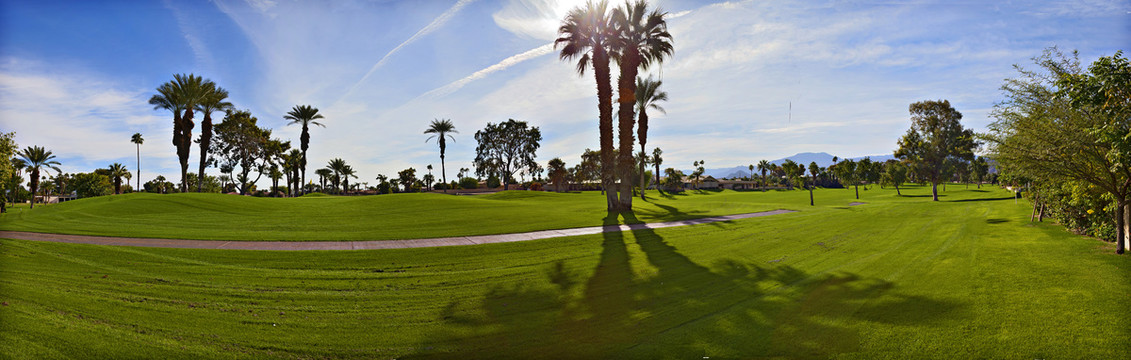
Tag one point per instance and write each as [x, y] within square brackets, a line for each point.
[895, 278]
[396, 216]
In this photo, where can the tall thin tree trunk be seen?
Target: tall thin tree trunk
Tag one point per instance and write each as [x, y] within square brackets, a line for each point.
[601, 72]
[642, 179]
[444, 172]
[897, 190]
[205, 140]
[626, 92]
[139, 167]
[1124, 244]
[935, 191]
[857, 186]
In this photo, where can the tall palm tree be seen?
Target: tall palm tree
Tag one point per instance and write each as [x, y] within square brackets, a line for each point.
[117, 172]
[181, 97]
[38, 158]
[764, 166]
[304, 115]
[292, 169]
[814, 171]
[657, 160]
[586, 33]
[648, 96]
[441, 129]
[642, 39]
[137, 140]
[213, 100]
[336, 165]
[347, 172]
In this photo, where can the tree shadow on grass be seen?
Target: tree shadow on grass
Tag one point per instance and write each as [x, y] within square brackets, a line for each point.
[678, 308]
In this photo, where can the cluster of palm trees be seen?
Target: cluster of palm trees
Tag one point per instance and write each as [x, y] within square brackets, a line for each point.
[189, 94]
[338, 173]
[635, 39]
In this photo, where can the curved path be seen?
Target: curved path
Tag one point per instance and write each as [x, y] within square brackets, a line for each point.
[367, 244]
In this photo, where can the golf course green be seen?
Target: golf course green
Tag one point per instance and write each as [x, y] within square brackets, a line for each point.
[895, 277]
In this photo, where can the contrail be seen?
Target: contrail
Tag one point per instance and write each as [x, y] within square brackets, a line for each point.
[506, 63]
[502, 65]
[435, 24]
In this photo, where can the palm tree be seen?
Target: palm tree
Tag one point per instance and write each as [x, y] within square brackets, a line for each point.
[441, 128]
[304, 115]
[648, 96]
[764, 166]
[347, 172]
[641, 39]
[181, 94]
[586, 33]
[337, 166]
[117, 172]
[814, 171]
[323, 174]
[36, 159]
[212, 101]
[656, 161]
[137, 140]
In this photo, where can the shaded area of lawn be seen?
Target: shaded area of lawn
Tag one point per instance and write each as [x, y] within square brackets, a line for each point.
[900, 277]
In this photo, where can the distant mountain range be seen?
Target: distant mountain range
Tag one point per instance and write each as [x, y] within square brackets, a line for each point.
[822, 159]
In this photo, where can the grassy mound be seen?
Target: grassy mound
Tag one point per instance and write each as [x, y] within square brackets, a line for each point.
[896, 278]
[396, 216]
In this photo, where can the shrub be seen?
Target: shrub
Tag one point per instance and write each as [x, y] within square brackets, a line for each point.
[493, 182]
[468, 183]
[440, 186]
[536, 186]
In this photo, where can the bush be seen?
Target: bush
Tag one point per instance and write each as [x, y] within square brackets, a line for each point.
[536, 186]
[493, 182]
[440, 186]
[468, 183]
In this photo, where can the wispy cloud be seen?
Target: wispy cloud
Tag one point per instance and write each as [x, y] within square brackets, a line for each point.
[502, 65]
[201, 53]
[85, 120]
[435, 24]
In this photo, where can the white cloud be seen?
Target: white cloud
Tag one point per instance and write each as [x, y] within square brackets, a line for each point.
[84, 119]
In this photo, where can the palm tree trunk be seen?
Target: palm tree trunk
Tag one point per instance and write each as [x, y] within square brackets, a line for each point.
[205, 140]
[444, 172]
[139, 167]
[627, 117]
[601, 72]
[658, 177]
[34, 185]
[186, 146]
[642, 186]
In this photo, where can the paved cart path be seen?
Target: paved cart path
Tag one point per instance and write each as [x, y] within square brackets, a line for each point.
[367, 244]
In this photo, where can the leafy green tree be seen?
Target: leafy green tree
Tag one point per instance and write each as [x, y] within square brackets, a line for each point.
[936, 134]
[648, 96]
[641, 39]
[1061, 123]
[586, 34]
[848, 175]
[590, 168]
[138, 140]
[87, 185]
[407, 177]
[304, 115]
[895, 174]
[7, 170]
[214, 99]
[37, 159]
[240, 142]
[117, 172]
[505, 148]
[979, 168]
[442, 130]
[383, 186]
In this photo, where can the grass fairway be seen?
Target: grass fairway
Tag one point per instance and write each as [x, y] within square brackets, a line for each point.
[386, 217]
[899, 277]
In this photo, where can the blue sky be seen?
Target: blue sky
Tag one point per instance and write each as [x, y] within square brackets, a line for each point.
[75, 76]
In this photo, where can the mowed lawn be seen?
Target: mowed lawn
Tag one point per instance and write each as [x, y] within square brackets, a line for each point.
[898, 277]
[385, 217]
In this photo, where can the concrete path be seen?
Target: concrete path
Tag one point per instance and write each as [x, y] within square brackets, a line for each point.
[368, 244]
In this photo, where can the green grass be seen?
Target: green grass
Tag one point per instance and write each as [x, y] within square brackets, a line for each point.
[895, 278]
[386, 217]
